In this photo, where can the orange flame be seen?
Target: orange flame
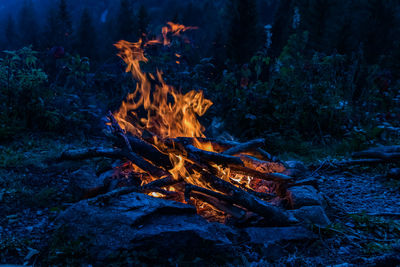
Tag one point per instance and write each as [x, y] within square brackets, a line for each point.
[174, 29]
[165, 118]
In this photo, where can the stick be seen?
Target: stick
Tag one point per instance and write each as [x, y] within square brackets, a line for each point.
[236, 212]
[377, 155]
[94, 152]
[248, 146]
[276, 177]
[202, 155]
[149, 152]
[272, 214]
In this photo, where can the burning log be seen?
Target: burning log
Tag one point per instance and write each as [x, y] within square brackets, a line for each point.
[220, 201]
[149, 152]
[208, 156]
[248, 146]
[272, 214]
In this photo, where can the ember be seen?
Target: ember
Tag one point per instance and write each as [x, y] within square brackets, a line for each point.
[222, 179]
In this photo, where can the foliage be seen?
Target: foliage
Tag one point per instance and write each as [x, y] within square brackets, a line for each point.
[22, 95]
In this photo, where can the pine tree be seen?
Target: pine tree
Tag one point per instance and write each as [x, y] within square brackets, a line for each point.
[64, 24]
[86, 35]
[244, 33]
[126, 21]
[315, 14]
[282, 26]
[10, 31]
[143, 21]
[28, 29]
[51, 30]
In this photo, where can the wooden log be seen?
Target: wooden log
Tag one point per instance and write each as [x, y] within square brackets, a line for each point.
[163, 182]
[370, 154]
[261, 165]
[220, 201]
[207, 156]
[149, 152]
[265, 196]
[234, 211]
[248, 146]
[93, 152]
[146, 166]
[345, 163]
[276, 177]
[273, 215]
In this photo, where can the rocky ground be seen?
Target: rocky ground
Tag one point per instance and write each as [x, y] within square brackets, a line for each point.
[38, 195]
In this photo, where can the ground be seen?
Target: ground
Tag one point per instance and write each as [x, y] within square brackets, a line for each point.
[363, 206]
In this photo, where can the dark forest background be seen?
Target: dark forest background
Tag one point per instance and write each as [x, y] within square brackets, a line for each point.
[300, 73]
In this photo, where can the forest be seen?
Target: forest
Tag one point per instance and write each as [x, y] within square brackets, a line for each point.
[208, 132]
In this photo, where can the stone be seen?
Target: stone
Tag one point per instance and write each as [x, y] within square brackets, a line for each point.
[311, 215]
[137, 222]
[275, 240]
[85, 183]
[305, 195]
[394, 173]
[260, 235]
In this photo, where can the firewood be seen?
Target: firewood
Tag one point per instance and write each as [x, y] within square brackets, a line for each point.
[87, 153]
[272, 214]
[82, 154]
[261, 165]
[163, 182]
[234, 211]
[219, 201]
[277, 177]
[265, 196]
[248, 146]
[149, 152]
[208, 156]
[370, 154]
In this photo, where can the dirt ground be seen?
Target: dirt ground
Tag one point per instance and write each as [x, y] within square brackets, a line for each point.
[363, 205]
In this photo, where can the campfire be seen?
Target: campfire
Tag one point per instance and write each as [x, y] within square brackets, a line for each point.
[156, 132]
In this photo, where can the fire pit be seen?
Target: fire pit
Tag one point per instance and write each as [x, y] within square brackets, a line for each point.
[156, 132]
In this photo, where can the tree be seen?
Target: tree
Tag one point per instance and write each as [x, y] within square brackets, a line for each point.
[10, 31]
[86, 35]
[244, 31]
[51, 29]
[126, 21]
[143, 21]
[64, 24]
[27, 24]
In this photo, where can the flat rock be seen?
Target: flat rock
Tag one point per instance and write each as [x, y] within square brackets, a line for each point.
[306, 195]
[275, 240]
[311, 215]
[260, 235]
[85, 183]
[138, 222]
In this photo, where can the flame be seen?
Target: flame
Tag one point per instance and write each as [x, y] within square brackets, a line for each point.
[162, 111]
[174, 29]
[169, 112]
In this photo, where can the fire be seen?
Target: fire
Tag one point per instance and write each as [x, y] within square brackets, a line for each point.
[165, 118]
[161, 111]
[174, 29]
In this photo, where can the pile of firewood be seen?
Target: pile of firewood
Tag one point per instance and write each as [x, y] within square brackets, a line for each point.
[228, 196]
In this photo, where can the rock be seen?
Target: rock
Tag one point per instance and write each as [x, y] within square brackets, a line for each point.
[138, 223]
[305, 195]
[295, 168]
[311, 215]
[274, 240]
[85, 183]
[394, 173]
[260, 235]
